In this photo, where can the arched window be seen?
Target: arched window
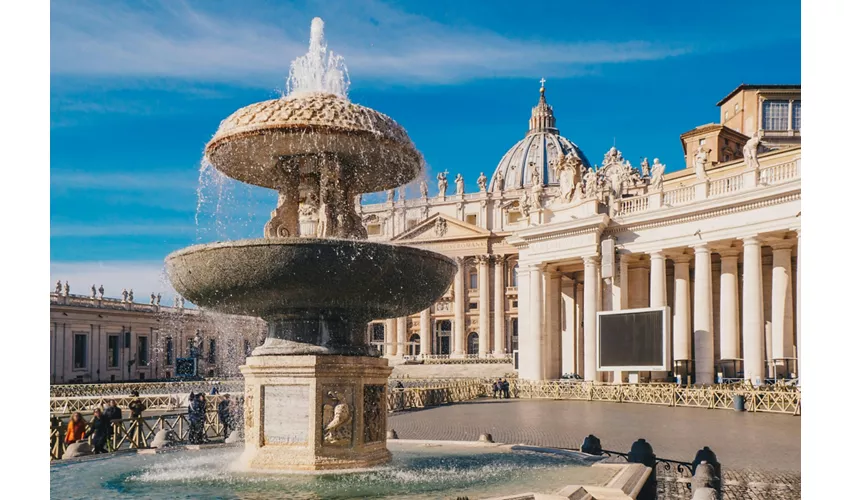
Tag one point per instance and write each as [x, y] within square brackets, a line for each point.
[473, 280]
[514, 271]
[413, 347]
[444, 336]
[472, 343]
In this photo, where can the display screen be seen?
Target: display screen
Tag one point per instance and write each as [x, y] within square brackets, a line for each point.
[631, 339]
[186, 367]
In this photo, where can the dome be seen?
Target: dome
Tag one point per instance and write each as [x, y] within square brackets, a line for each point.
[541, 146]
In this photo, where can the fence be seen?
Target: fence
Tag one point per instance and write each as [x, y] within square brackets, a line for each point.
[772, 399]
[424, 393]
[165, 387]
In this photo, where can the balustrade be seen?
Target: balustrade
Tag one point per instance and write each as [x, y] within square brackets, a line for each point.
[679, 196]
[634, 205]
[778, 173]
[726, 185]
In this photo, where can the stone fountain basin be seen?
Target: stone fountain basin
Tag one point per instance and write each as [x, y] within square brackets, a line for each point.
[270, 277]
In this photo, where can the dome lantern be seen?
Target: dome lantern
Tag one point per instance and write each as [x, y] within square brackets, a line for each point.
[542, 116]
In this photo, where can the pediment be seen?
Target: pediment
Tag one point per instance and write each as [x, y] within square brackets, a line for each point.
[440, 227]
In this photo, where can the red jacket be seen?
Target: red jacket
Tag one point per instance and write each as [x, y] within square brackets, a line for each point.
[75, 431]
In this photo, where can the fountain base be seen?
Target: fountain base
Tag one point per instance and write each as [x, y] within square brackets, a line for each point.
[314, 412]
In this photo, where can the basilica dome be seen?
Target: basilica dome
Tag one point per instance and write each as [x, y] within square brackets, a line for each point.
[541, 147]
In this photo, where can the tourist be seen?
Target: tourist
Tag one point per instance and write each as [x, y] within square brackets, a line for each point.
[399, 385]
[497, 389]
[112, 413]
[99, 430]
[506, 389]
[76, 428]
[197, 415]
[224, 417]
[136, 406]
[214, 391]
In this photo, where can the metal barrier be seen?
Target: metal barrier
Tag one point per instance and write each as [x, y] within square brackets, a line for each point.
[65, 406]
[165, 387]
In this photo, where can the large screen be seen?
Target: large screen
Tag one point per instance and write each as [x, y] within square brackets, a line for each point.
[633, 340]
[186, 367]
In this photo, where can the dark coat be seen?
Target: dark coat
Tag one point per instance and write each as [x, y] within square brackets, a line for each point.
[136, 408]
[99, 427]
[197, 410]
[224, 409]
[112, 413]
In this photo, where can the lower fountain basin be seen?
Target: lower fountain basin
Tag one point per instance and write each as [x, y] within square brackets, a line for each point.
[418, 471]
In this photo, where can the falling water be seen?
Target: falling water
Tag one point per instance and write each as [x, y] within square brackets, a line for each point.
[320, 70]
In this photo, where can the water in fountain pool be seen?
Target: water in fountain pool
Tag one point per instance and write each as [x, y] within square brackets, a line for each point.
[416, 472]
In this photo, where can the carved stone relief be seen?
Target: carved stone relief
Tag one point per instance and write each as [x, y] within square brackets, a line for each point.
[337, 415]
[374, 414]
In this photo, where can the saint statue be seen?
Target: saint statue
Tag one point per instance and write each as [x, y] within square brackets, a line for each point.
[93, 292]
[568, 171]
[390, 195]
[482, 182]
[497, 185]
[590, 183]
[644, 168]
[700, 162]
[535, 175]
[158, 298]
[153, 298]
[459, 184]
[100, 292]
[525, 204]
[130, 296]
[751, 149]
[423, 189]
[442, 183]
[656, 182]
[124, 295]
[58, 290]
[67, 289]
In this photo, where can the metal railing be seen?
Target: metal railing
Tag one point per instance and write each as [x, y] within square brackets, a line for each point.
[125, 388]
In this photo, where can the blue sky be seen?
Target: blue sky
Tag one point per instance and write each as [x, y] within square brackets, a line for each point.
[137, 88]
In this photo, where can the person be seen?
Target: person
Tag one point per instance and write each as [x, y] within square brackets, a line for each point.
[197, 414]
[136, 406]
[506, 389]
[76, 428]
[214, 391]
[399, 385]
[112, 413]
[99, 431]
[497, 389]
[224, 415]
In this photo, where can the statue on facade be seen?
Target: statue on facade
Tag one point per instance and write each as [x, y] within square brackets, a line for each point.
[701, 161]
[153, 298]
[591, 180]
[93, 292]
[751, 149]
[182, 302]
[100, 292]
[482, 182]
[309, 206]
[535, 175]
[358, 200]
[423, 189]
[176, 301]
[459, 184]
[390, 195]
[67, 289]
[130, 296]
[568, 168]
[337, 419]
[537, 197]
[58, 289]
[124, 295]
[158, 299]
[656, 181]
[498, 182]
[525, 204]
[644, 168]
[442, 183]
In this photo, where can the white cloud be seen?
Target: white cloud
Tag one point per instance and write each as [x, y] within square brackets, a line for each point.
[125, 229]
[176, 40]
[112, 181]
[143, 277]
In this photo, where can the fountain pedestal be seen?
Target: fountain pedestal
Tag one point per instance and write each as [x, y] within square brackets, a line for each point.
[315, 412]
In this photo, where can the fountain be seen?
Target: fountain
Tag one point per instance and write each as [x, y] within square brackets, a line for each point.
[315, 390]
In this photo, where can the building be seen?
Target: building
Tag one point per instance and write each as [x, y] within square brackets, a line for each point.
[717, 242]
[98, 339]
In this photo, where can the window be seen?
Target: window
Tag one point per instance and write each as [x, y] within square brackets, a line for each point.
[701, 142]
[80, 350]
[211, 354]
[795, 119]
[112, 351]
[373, 229]
[775, 115]
[143, 351]
[736, 107]
[472, 343]
[472, 219]
[726, 115]
[377, 333]
[473, 280]
[473, 305]
[513, 217]
[169, 351]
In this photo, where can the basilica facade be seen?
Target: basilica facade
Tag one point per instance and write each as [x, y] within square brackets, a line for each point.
[548, 241]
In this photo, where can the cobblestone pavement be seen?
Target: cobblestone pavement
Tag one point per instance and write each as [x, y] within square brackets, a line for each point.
[759, 453]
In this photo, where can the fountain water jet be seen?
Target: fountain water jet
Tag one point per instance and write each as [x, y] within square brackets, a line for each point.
[315, 390]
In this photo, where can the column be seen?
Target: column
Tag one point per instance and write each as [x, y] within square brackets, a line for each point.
[580, 328]
[531, 331]
[782, 316]
[551, 347]
[799, 298]
[623, 302]
[401, 335]
[682, 310]
[568, 335]
[703, 316]
[459, 327]
[499, 299]
[484, 305]
[753, 305]
[658, 293]
[729, 319]
[390, 337]
[591, 281]
[425, 330]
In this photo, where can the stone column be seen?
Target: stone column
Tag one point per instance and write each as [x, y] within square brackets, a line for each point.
[753, 311]
[499, 299]
[799, 299]
[703, 316]
[459, 330]
[531, 332]
[568, 335]
[623, 302]
[425, 330]
[729, 319]
[390, 337]
[401, 335]
[658, 294]
[782, 316]
[580, 328]
[483, 305]
[591, 281]
[682, 309]
[551, 348]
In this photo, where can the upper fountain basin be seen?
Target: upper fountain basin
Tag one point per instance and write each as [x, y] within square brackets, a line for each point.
[269, 277]
[256, 141]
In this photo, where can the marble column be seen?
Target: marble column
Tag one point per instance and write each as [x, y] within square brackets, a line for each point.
[568, 334]
[551, 347]
[499, 301]
[459, 327]
[703, 316]
[425, 330]
[729, 313]
[531, 331]
[753, 305]
[799, 300]
[390, 337]
[580, 328]
[682, 309]
[401, 335]
[782, 316]
[591, 297]
[483, 305]
[658, 296]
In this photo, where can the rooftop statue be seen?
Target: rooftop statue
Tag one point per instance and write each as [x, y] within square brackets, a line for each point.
[568, 169]
[482, 182]
[498, 182]
[442, 183]
[701, 162]
[751, 149]
[459, 184]
[423, 188]
[656, 182]
[644, 168]
[58, 289]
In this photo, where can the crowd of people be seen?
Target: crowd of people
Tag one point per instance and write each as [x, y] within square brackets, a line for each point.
[502, 389]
